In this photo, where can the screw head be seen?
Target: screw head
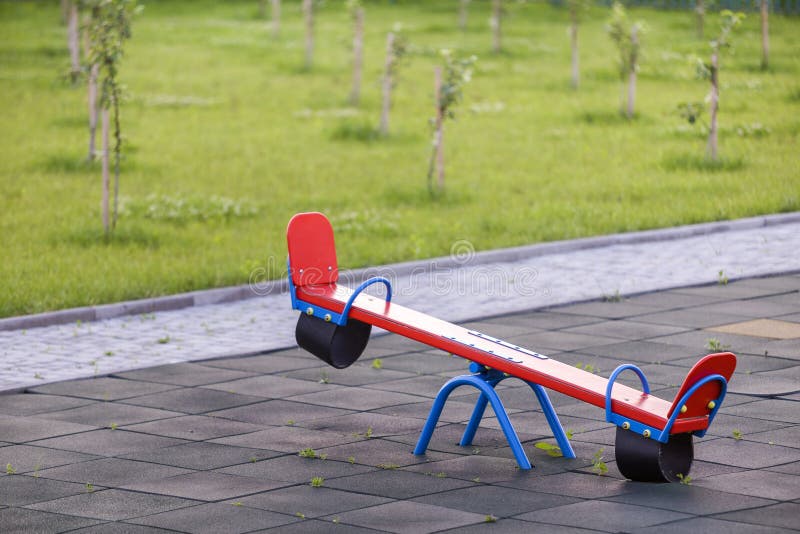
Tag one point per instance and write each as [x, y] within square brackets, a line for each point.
[684, 408]
[646, 433]
[309, 311]
[626, 425]
[712, 405]
[330, 268]
[327, 317]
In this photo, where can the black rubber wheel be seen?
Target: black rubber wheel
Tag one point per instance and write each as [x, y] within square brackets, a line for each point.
[647, 460]
[338, 346]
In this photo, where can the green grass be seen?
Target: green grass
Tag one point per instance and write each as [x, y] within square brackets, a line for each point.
[221, 114]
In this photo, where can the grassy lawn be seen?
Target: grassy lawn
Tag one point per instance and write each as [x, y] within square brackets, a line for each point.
[221, 117]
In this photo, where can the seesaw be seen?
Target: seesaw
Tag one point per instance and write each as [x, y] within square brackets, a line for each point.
[654, 436]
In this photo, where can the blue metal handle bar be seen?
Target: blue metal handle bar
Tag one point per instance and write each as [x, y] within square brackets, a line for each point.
[359, 289]
[613, 378]
[688, 394]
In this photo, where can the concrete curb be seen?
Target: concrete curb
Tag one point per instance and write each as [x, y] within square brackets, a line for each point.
[508, 255]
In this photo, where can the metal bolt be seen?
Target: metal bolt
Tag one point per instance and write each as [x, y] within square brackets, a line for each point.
[330, 268]
[626, 425]
[301, 271]
[309, 311]
[327, 317]
[646, 433]
[712, 405]
[684, 408]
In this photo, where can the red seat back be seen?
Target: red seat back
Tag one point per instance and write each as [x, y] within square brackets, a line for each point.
[723, 364]
[312, 251]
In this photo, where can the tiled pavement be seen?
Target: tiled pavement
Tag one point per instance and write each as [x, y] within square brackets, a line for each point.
[213, 446]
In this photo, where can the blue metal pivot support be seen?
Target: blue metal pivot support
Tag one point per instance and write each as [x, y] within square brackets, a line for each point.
[485, 381]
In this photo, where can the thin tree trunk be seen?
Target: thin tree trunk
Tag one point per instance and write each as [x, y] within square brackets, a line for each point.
[497, 9]
[105, 133]
[117, 155]
[386, 104]
[436, 163]
[632, 73]
[574, 43]
[700, 9]
[308, 13]
[276, 18]
[73, 42]
[437, 75]
[358, 55]
[764, 34]
[92, 100]
[462, 14]
[712, 131]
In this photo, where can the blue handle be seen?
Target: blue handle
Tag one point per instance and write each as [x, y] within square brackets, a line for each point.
[613, 378]
[362, 287]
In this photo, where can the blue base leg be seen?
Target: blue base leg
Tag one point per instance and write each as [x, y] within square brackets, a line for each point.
[485, 381]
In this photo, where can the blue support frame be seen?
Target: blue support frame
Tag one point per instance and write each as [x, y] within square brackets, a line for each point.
[661, 435]
[485, 380]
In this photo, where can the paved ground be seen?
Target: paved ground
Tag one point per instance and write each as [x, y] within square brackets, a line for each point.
[213, 446]
[462, 287]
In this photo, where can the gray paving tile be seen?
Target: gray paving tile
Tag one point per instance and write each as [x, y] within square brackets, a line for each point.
[502, 329]
[647, 352]
[708, 525]
[279, 412]
[544, 320]
[670, 300]
[731, 291]
[396, 484]
[357, 374]
[410, 517]
[360, 423]
[606, 310]
[580, 485]
[454, 411]
[601, 515]
[119, 528]
[772, 283]
[514, 526]
[727, 426]
[110, 472]
[193, 400]
[561, 340]
[287, 439]
[311, 502]
[689, 499]
[781, 515]
[788, 437]
[430, 362]
[30, 404]
[103, 414]
[355, 398]
[691, 318]
[23, 429]
[184, 374]
[789, 469]
[494, 500]
[318, 526]
[26, 458]
[22, 521]
[275, 362]
[105, 389]
[764, 484]
[767, 384]
[201, 456]
[213, 518]
[194, 427]
[294, 469]
[19, 490]
[108, 442]
[755, 308]
[204, 486]
[270, 386]
[771, 410]
[113, 504]
[378, 452]
[626, 329]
